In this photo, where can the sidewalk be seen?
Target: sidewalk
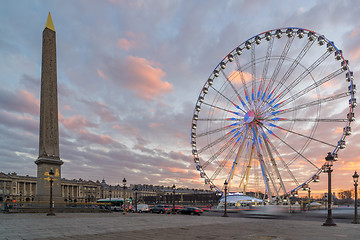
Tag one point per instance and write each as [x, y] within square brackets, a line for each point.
[158, 226]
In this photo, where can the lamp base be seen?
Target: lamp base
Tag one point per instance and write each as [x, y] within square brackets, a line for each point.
[329, 222]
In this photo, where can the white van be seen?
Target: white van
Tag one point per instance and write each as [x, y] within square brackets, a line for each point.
[142, 208]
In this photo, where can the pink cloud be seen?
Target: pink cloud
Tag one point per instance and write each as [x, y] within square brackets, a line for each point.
[101, 73]
[94, 138]
[355, 53]
[145, 79]
[133, 40]
[75, 122]
[125, 44]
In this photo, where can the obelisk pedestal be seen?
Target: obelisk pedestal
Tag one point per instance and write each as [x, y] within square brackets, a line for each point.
[49, 157]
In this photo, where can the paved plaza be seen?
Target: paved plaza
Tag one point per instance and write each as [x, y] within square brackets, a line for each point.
[159, 226]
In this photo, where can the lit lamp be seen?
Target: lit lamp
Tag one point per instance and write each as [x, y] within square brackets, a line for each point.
[327, 168]
[51, 175]
[225, 205]
[356, 179]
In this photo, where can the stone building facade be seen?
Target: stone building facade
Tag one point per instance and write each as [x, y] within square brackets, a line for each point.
[16, 188]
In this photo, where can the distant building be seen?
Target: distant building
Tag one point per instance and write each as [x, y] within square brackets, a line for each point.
[16, 188]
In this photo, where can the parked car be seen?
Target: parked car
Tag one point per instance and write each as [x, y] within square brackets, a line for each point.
[161, 209]
[191, 210]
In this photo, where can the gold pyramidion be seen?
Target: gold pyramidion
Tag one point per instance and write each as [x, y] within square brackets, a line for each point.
[49, 23]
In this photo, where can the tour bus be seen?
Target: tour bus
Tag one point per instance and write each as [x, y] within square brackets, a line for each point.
[116, 203]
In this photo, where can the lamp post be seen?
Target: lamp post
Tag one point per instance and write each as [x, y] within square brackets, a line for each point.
[356, 179]
[327, 168]
[110, 196]
[136, 199]
[173, 199]
[309, 192]
[51, 175]
[124, 183]
[225, 205]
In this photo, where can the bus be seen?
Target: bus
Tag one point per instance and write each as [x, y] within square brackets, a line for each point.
[116, 203]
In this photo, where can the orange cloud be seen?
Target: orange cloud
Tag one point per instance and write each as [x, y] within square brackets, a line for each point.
[354, 54]
[30, 98]
[177, 170]
[146, 79]
[235, 77]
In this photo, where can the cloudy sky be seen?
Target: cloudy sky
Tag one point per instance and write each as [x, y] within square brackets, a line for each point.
[130, 73]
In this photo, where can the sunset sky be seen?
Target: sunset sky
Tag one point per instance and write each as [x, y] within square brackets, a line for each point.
[129, 75]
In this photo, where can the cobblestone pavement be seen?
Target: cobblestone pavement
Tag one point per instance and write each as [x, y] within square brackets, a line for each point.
[158, 226]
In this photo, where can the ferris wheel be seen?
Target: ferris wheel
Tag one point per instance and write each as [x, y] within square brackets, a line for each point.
[270, 111]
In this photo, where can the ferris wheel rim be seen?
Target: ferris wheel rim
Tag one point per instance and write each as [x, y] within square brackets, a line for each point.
[227, 59]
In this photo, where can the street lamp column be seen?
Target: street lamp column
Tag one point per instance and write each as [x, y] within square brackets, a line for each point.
[327, 168]
[136, 199]
[173, 199]
[51, 175]
[110, 196]
[225, 193]
[356, 179]
[124, 183]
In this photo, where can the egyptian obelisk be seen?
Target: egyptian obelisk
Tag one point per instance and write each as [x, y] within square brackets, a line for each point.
[49, 157]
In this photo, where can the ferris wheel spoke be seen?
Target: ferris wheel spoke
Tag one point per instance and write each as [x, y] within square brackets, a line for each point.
[245, 177]
[226, 136]
[235, 105]
[310, 119]
[266, 64]
[299, 153]
[316, 102]
[243, 82]
[219, 119]
[221, 150]
[253, 75]
[215, 131]
[309, 88]
[280, 63]
[223, 109]
[304, 74]
[305, 136]
[274, 164]
[236, 92]
[223, 162]
[274, 149]
[294, 64]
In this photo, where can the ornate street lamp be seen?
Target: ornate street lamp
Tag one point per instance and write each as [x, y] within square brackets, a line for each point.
[356, 179]
[51, 175]
[110, 196]
[327, 168]
[124, 195]
[225, 192]
[173, 199]
[135, 189]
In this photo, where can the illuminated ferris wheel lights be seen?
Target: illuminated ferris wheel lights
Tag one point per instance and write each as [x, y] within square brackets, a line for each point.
[305, 187]
[351, 116]
[344, 65]
[342, 144]
[335, 156]
[201, 99]
[311, 36]
[278, 33]
[238, 51]
[223, 65]
[216, 73]
[352, 102]
[230, 57]
[194, 126]
[289, 33]
[248, 45]
[267, 36]
[210, 81]
[349, 76]
[300, 33]
[316, 178]
[347, 131]
[321, 40]
[352, 88]
[330, 47]
[205, 90]
[257, 40]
